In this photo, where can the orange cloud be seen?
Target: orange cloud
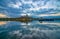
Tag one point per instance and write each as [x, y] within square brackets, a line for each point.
[2, 23]
[3, 15]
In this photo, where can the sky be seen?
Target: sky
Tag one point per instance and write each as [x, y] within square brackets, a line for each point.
[35, 8]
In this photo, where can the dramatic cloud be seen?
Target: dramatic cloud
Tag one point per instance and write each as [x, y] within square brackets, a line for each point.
[30, 6]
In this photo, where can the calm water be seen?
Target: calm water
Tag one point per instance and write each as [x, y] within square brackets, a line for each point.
[32, 30]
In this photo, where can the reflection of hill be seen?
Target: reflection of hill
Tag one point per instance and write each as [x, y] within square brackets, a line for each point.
[28, 19]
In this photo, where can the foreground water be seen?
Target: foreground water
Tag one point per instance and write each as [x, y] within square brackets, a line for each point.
[32, 30]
